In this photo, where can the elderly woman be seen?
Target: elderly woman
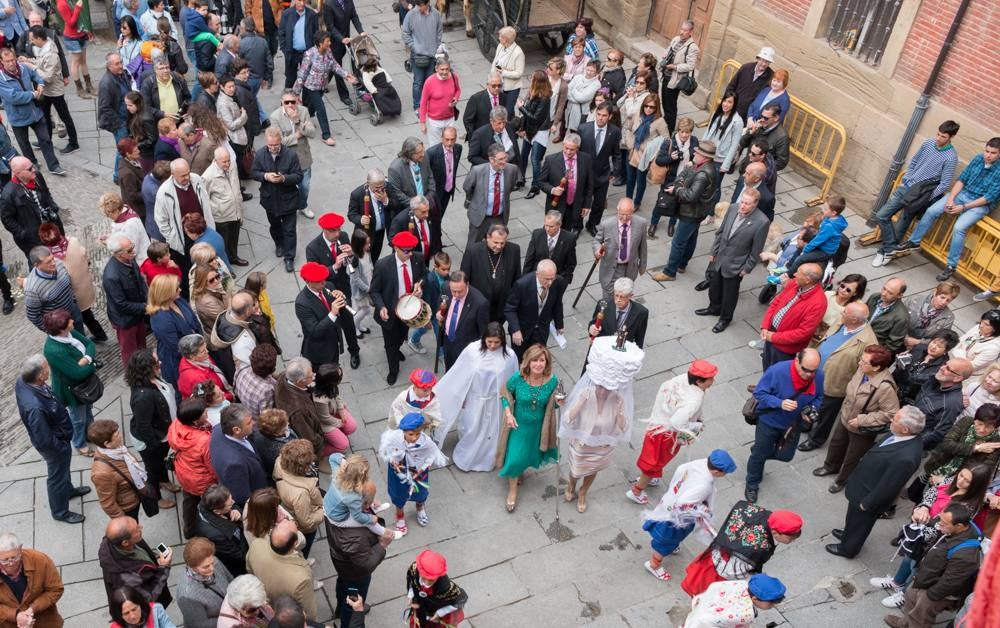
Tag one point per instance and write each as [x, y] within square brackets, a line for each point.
[130, 175]
[271, 434]
[869, 405]
[202, 586]
[930, 313]
[208, 299]
[197, 366]
[972, 441]
[125, 221]
[981, 344]
[74, 257]
[189, 436]
[986, 390]
[642, 129]
[916, 368]
[130, 608]
[437, 101]
[117, 475]
[774, 93]
[509, 61]
[298, 486]
[580, 93]
[170, 318]
[153, 406]
[576, 60]
[245, 605]
[72, 360]
[205, 254]
[219, 522]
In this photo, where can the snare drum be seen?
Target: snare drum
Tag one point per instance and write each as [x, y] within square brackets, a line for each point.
[413, 311]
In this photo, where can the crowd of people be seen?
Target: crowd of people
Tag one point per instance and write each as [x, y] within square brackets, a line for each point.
[215, 424]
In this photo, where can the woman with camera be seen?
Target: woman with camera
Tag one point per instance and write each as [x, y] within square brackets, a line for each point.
[72, 358]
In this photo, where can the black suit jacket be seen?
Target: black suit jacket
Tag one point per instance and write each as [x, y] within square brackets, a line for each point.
[477, 112]
[472, 322]
[401, 222]
[318, 251]
[482, 139]
[602, 161]
[563, 256]
[320, 335]
[635, 321]
[476, 266]
[521, 310]
[554, 169]
[282, 198]
[356, 208]
[882, 473]
[435, 155]
[384, 288]
[766, 202]
[338, 22]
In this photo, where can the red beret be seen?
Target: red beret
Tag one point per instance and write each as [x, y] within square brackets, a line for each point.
[405, 240]
[703, 368]
[422, 378]
[312, 271]
[330, 220]
[431, 565]
[785, 522]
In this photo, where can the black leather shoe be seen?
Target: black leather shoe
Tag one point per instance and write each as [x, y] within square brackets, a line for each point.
[838, 534]
[346, 100]
[808, 445]
[402, 358]
[289, 266]
[239, 261]
[750, 494]
[71, 517]
[391, 379]
[835, 488]
[706, 311]
[822, 471]
[617, 182]
[701, 286]
[8, 306]
[79, 491]
[720, 327]
[279, 252]
[532, 193]
[355, 360]
[670, 230]
[835, 549]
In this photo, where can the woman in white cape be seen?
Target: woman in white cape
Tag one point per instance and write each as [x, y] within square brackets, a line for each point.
[469, 393]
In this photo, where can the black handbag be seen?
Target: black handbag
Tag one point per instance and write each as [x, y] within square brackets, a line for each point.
[149, 499]
[873, 430]
[89, 390]
[687, 84]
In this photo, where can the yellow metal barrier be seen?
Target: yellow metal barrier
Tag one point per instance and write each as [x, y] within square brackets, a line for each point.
[980, 260]
[814, 138]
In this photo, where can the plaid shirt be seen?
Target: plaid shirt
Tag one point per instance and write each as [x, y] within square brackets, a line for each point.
[254, 392]
[315, 69]
[981, 181]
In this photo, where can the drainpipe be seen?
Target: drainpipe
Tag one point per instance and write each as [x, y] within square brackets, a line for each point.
[923, 102]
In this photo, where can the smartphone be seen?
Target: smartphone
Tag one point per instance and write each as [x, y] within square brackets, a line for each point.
[352, 593]
[162, 549]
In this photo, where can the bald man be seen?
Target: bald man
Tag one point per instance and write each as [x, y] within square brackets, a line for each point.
[888, 314]
[223, 184]
[941, 400]
[281, 569]
[20, 211]
[127, 560]
[233, 331]
[533, 304]
[793, 316]
[753, 177]
[183, 193]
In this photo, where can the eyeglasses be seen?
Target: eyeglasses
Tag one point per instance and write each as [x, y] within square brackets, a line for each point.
[406, 251]
[130, 250]
[807, 370]
[951, 370]
[494, 85]
[766, 118]
[13, 560]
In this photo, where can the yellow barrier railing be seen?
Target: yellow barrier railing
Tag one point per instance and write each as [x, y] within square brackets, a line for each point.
[816, 139]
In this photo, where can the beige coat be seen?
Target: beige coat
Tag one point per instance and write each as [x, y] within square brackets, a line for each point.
[877, 397]
[301, 497]
[224, 192]
[510, 60]
[685, 59]
[283, 575]
[290, 133]
[842, 364]
[78, 267]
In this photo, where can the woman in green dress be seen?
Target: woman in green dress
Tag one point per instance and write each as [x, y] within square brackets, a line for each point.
[528, 435]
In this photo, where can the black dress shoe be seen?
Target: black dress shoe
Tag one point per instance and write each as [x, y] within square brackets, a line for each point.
[889, 513]
[289, 266]
[391, 379]
[835, 549]
[617, 182]
[670, 230]
[239, 261]
[822, 471]
[706, 311]
[720, 327]
[835, 488]
[279, 252]
[346, 100]
[750, 494]
[355, 360]
[79, 491]
[701, 286]
[808, 445]
[71, 517]
[838, 534]
[532, 193]
[8, 306]
[402, 358]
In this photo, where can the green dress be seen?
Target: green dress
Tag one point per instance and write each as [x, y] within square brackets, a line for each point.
[522, 443]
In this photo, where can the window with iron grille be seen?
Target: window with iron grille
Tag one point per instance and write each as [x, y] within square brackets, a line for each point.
[862, 27]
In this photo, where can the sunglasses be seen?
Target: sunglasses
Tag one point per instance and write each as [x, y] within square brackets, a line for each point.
[214, 278]
[753, 154]
[843, 286]
[288, 102]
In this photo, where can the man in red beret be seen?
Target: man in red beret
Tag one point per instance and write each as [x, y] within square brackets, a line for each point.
[332, 249]
[394, 276]
[317, 308]
[435, 600]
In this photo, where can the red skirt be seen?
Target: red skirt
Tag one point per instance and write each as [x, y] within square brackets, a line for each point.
[657, 452]
[700, 574]
[451, 619]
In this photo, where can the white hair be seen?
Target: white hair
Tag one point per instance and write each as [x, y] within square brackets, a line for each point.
[913, 419]
[32, 367]
[375, 175]
[297, 369]
[9, 542]
[246, 591]
[571, 138]
[624, 285]
[418, 201]
[190, 345]
[116, 242]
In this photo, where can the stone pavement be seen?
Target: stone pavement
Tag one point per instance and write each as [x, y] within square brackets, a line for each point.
[545, 560]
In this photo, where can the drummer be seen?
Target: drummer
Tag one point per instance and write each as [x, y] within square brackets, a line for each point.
[394, 277]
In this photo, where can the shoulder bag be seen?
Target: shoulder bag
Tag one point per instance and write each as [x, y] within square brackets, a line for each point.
[454, 108]
[148, 497]
[872, 430]
[687, 83]
[750, 413]
[89, 390]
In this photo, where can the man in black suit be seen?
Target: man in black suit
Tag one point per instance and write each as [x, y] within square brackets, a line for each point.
[535, 301]
[753, 178]
[332, 249]
[877, 480]
[477, 110]
[600, 140]
[497, 131]
[444, 158]
[277, 169]
[620, 312]
[286, 35]
[554, 243]
[381, 209]
[396, 275]
[492, 267]
[410, 173]
[466, 318]
[575, 199]
[318, 308]
[338, 17]
[417, 221]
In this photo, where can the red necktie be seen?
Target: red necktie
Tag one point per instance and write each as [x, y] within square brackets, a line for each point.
[425, 246]
[322, 298]
[333, 251]
[407, 282]
[496, 194]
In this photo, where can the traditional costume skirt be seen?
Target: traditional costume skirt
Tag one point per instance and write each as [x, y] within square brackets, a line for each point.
[401, 492]
[657, 452]
[587, 460]
[450, 620]
[700, 574]
[666, 536]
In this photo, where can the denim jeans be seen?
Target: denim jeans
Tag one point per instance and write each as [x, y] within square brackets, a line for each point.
[58, 484]
[418, 334]
[904, 572]
[635, 180]
[765, 447]
[314, 103]
[304, 187]
[534, 152]
[892, 233]
[254, 82]
[965, 220]
[344, 611]
[682, 246]
[81, 417]
[120, 134]
[718, 183]
[419, 78]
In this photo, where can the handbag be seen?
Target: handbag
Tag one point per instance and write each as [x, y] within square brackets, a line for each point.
[657, 174]
[666, 205]
[148, 497]
[89, 390]
[454, 108]
[750, 413]
[687, 84]
[872, 430]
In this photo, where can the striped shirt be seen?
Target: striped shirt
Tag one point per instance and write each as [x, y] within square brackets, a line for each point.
[44, 293]
[929, 162]
[980, 181]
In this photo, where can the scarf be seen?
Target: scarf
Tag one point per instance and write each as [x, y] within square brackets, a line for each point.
[799, 383]
[73, 342]
[643, 130]
[207, 581]
[59, 248]
[126, 214]
[173, 141]
[927, 313]
[135, 468]
[208, 364]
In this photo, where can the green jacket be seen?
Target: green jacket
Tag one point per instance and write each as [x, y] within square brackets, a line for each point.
[891, 326]
[66, 371]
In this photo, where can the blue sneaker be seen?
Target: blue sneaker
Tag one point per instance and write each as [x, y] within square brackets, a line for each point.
[774, 280]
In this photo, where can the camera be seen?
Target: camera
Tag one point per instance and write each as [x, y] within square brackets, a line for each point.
[48, 214]
[809, 416]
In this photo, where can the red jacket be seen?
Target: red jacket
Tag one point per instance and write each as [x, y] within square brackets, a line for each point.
[193, 464]
[150, 270]
[799, 323]
[190, 375]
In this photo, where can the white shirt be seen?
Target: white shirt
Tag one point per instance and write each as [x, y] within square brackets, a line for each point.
[399, 276]
[677, 406]
[321, 297]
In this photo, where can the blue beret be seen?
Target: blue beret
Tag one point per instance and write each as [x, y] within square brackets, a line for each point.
[722, 461]
[411, 421]
[764, 587]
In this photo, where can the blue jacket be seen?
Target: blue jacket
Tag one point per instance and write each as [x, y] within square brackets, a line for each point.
[775, 386]
[238, 469]
[339, 506]
[758, 103]
[827, 239]
[46, 420]
[18, 96]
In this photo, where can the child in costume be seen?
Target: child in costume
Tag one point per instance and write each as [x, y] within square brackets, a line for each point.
[435, 600]
[409, 454]
[687, 502]
[734, 603]
[420, 398]
[350, 500]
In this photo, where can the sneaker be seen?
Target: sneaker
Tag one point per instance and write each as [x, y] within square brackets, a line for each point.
[308, 213]
[654, 481]
[895, 600]
[58, 171]
[642, 499]
[774, 280]
[946, 274]
[397, 534]
[906, 246]
[756, 344]
[659, 574]
[886, 583]
[401, 527]
[416, 346]
[61, 130]
[384, 506]
[985, 295]
[879, 260]
[70, 148]
[422, 517]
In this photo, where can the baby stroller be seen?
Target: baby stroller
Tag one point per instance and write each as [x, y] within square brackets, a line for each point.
[374, 85]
